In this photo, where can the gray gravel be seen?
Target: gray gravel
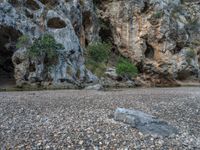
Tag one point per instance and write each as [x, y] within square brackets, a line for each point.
[72, 119]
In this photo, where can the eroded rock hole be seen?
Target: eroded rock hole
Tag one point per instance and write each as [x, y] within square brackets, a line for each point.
[32, 67]
[87, 23]
[87, 19]
[51, 3]
[56, 23]
[149, 53]
[183, 75]
[31, 4]
[8, 39]
[105, 32]
[177, 49]
[14, 2]
[146, 7]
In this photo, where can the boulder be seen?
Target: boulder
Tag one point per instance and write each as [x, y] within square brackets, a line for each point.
[144, 122]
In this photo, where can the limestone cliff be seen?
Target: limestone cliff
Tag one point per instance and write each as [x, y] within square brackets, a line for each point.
[162, 37]
[70, 22]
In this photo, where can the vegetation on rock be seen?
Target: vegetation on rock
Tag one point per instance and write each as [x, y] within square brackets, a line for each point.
[99, 51]
[45, 46]
[157, 15]
[190, 55]
[23, 41]
[97, 55]
[126, 69]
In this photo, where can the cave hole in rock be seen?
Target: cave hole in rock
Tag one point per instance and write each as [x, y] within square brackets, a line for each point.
[50, 3]
[105, 31]
[198, 56]
[14, 2]
[56, 23]
[87, 23]
[8, 39]
[149, 53]
[31, 4]
[87, 19]
[183, 75]
[140, 67]
[177, 48]
[146, 7]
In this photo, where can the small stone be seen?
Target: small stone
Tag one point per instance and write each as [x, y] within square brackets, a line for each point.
[47, 147]
[81, 142]
[94, 87]
[160, 142]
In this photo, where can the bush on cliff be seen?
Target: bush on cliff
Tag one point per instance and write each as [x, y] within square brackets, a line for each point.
[45, 46]
[97, 55]
[99, 51]
[126, 69]
[23, 41]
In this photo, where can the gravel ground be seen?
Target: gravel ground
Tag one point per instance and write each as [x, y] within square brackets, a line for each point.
[73, 119]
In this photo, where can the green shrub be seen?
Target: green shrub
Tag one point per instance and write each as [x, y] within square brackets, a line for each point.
[81, 2]
[95, 67]
[190, 53]
[184, 1]
[23, 41]
[98, 51]
[126, 69]
[193, 24]
[157, 15]
[195, 42]
[97, 55]
[46, 46]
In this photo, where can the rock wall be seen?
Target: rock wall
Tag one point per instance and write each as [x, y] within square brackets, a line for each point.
[71, 22]
[160, 36]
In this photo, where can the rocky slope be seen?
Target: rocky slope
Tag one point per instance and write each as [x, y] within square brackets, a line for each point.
[160, 36]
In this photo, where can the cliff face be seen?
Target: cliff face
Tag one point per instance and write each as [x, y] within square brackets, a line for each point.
[160, 36]
[71, 23]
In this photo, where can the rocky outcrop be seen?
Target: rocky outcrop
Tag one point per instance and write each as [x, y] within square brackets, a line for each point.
[160, 36]
[71, 23]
